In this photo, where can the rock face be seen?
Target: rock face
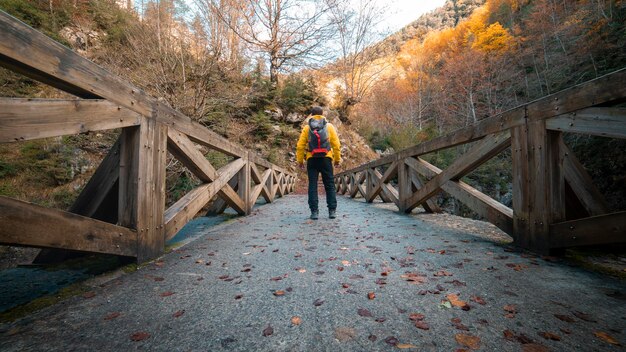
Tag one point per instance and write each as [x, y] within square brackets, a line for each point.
[275, 114]
[295, 117]
[81, 38]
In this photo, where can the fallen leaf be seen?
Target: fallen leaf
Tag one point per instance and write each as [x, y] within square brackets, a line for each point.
[509, 335]
[301, 270]
[420, 324]
[268, 331]
[523, 339]
[458, 325]
[179, 313]
[478, 300]
[445, 304]
[443, 273]
[364, 312]
[166, 293]
[585, 317]
[345, 262]
[239, 296]
[469, 341]
[549, 336]
[380, 320]
[340, 268]
[296, 320]
[405, 345]
[112, 315]
[565, 318]
[318, 302]
[391, 340]
[416, 316]
[279, 293]
[157, 278]
[199, 261]
[455, 301]
[89, 294]
[510, 308]
[371, 295]
[534, 347]
[606, 337]
[277, 278]
[344, 334]
[139, 336]
[372, 337]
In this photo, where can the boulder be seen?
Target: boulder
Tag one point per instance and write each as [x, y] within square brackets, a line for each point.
[275, 114]
[295, 117]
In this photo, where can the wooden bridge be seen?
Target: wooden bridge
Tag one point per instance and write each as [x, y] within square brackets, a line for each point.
[555, 204]
[121, 210]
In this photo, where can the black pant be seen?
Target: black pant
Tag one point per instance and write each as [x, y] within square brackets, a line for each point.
[314, 167]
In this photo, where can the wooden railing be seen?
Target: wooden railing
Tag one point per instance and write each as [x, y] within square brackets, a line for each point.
[121, 210]
[544, 213]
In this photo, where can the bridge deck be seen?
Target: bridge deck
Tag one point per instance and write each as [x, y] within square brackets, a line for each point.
[217, 292]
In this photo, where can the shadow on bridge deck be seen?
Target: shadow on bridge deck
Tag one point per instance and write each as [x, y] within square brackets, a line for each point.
[249, 277]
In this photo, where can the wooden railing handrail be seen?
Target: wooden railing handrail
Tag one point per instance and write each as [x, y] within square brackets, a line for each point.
[123, 204]
[33, 54]
[602, 90]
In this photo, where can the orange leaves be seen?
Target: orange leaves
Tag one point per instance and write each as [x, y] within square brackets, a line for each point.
[279, 293]
[606, 337]
[296, 320]
[493, 39]
[371, 295]
[455, 301]
[469, 341]
[139, 336]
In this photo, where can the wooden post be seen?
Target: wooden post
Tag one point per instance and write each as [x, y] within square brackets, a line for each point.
[244, 183]
[404, 185]
[143, 152]
[538, 185]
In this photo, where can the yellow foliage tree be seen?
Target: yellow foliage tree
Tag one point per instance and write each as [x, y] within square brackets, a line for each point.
[493, 39]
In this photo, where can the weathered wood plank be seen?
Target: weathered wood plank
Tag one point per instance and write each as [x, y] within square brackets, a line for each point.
[430, 205]
[603, 122]
[245, 184]
[26, 119]
[607, 89]
[388, 190]
[476, 156]
[27, 224]
[99, 185]
[602, 229]
[189, 205]
[521, 184]
[581, 183]
[390, 173]
[186, 152]
[488, 208]
[151, 190]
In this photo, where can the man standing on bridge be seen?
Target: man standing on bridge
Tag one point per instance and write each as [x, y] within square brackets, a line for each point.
[319, 144]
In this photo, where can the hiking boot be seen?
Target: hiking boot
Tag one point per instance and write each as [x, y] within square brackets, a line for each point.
[332, 213]
[314, 215]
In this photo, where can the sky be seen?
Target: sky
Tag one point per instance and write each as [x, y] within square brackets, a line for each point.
[403, 12]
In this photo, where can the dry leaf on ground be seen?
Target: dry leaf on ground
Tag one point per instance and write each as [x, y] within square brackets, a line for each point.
[469, 341]
[269, 330]
[606, 337]
[296, 320]
[139, 336]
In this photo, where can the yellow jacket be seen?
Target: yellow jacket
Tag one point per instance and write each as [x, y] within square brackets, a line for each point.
[303, 142]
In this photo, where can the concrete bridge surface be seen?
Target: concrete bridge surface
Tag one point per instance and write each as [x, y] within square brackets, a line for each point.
[370, 280]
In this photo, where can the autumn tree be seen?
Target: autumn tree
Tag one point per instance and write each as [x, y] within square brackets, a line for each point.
[290, 33]
[359, 40]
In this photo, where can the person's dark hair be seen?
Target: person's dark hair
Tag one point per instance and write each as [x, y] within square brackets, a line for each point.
[317, 110]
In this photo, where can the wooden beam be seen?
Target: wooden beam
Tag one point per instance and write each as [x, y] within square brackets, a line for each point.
[595, 230]
[520, 184]
[219, 205]
[476, 156]
[99, 185]
[603, 122]
[430, 205]
[486, 207]
[27, 224]
[186, 152]
[358, 180]
[391, 172]
[26, 119]
[581, 183]
[608, 89]
[389, 191]
[181, 212]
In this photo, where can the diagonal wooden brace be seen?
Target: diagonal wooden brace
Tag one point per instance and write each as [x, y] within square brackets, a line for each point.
[484, 150]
